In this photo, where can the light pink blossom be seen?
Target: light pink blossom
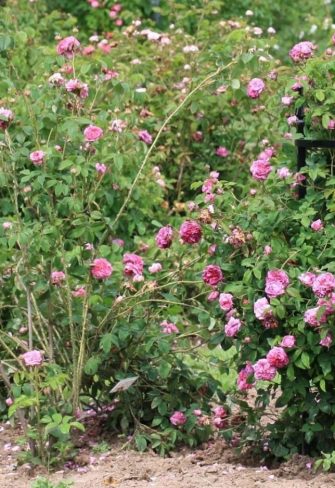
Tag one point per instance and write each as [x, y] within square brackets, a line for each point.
[264, 371]
[101, 269]
[133, 265]
[255, 87]
[57, 277]
[288, 341]
[302, 51]
[212, 275]
[101, 168]
[326, 341]
[262, 308]
[317, 225]
[315, 316]
[222, 152]
[32, 358]
[169, 327]
[260, 169]
[93, 133]
[79, 292]
[68, 46]
[226, 301]
[178, 418]
[232, 327]
[323, 284]
[277, 357]
[307, 278]
[155, 268]
[283, 173]
[37, 157]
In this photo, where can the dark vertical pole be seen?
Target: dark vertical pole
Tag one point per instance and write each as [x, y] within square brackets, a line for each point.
[157, 17]
[301, 151]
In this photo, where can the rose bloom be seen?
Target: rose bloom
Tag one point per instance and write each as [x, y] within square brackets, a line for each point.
[37, 157]
[93, 133]
[232, 327]
[212, 275]
[277, 357]
[101, 168]
[7, 225]
[6, 116]
[260, 169]
[264, 371]
[317, 225]
[262, 308]
[243, 377]
[212, 296]
[79, 292]
[226, 301]
[9, 402]
[222, 152]
[190, 232]
[315, 316]
[155, 268]
[323, 284]
[326, 341]
[301, 51]
[164, 237]
[32, 358]
[288, 341]
[255, 87]
[267, 250]
[178, 418]
[144, 136]
[286, 101]
[101, 269]
[133, 265]
[56, 80]
[169, 327]
[274, 289]
[278, 275]
[283, 173]
[57, 277]
[67, 47]
[292, 120]
[219, 412]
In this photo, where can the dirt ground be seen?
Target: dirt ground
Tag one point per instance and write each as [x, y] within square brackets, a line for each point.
[214, 466]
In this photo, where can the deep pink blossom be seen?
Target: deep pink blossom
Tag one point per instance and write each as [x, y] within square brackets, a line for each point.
[277, 357]
[222, 152]
[243, 378]
[164, 237]
[93, 133]
[169, 327]
[326, 341]
[57, 277]
[145, 136]
[212, 275]
[68, 46]
[133, 265]
[307, 278]
[178, 418]
[190, 232]
[79, 292]
[317, 225]
[264, 371]
[260, 169]
[101, 269]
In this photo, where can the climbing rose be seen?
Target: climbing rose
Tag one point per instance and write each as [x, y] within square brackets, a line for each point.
[32, 358]
[212, 275]
[7, 225]
[222, 152]
[219, 412]
[133, 265]
[286, 100]
[155, 268]
[178, 418]
[9, 402]
[331, 124]
[255, 88]
[190, 232]
[288, 341]
[37, 157]
[164, 237]
[226, 301]
[232, 327]
[144, 136]
[67, 47]
[307, 278]
[323, 284]
[315, 316]
[317, 225]
[57, 277]
[101, 269]
[260, 169]
[278, 275]
[93, 133]
[277, 357]
[243, 377]
[169, 327]
[262, 309]
[264, 371]
[301, 51]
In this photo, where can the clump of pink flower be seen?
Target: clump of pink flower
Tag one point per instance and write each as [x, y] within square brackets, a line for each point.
[317, 225]
[101, 269]
[169, 327]
[326, 341]
[226, 301]
[324, 284]
[260, 169]
[6, 117]
[222, 152]
[77, 87]
[302, 51]
[276, 283]
[190, 232]
[155, 268]
[262, 309]
[93, 133]
[79, 292]
[232, 327]
[288, 341]
[307, 278]
[178, 418]
[255, 87]
[264, 371]
[101, 168]
[145, 136]
[212, 275]
[244, 376]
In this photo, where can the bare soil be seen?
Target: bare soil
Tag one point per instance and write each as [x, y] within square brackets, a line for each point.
[214, 465]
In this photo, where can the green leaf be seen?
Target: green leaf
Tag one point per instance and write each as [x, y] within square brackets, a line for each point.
[164, 369]
[141, 442]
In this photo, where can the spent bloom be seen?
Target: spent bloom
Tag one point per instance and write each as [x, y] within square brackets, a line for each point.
[155, 268]
[6, 116]
[164, 237]
[37, 157]
[56, 79]
[212, 275]
[145, 136]
[101, 269]
[169, 327]
[283, 173]
[190, 232]
[264, 371]
[67, 46]
[77, 87]
[302, 51]
[133, 265]
[255, 87]
[57, 277]
[32, 358]
[178, 418]
[277, 357]
[93, 133]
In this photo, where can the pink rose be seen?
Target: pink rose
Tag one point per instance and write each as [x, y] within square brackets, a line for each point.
[190, 232]
[267, 250]
[67, 47]
[101, 269]
[79, 292]
[286, 101]
[57, 277]
[317, 225]
[288, 341]
[222, 152]
[93, 133]
[315, 316]
[169, 327]
[6, 117]
[244, 377]
[283, 173]
[144, 136]
[264, 371]
[260, 169]
[255, 87]
[262, 308]
[301, 51]
[274, 289]
[219, 423]
[164, 237]
[9, 402]
[292, 120]
[212, 296]
[277, 357]
[324, 284]
[307, 278]
[37, 157]
[7, 225]
[331, 124]
[278, 275]
[212, 275]
[326, 341]
[133, 265]
[226, 301]
[155, 268]
[101, 168]
[178, 418]
[32, 358]
[232, 327]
